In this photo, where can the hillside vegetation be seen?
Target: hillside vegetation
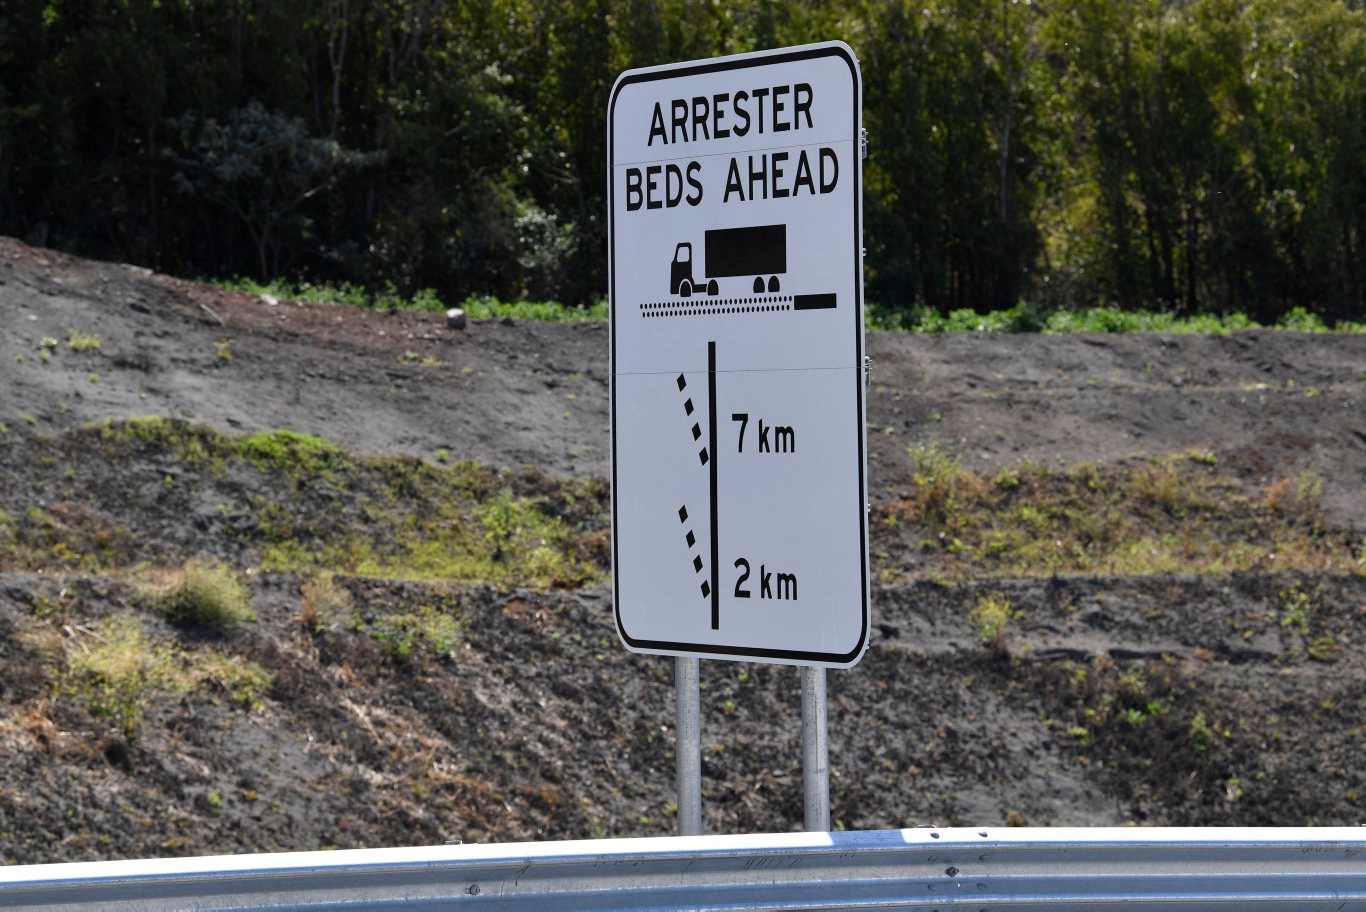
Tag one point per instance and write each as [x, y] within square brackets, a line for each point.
[279, 575]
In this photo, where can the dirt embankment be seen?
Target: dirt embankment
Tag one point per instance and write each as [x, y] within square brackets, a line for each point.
[1232, 698]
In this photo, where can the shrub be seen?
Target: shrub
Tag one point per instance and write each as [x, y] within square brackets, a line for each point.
[938, 474]
[202, 592]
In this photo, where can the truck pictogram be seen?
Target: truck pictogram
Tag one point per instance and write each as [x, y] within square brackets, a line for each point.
[756, 250]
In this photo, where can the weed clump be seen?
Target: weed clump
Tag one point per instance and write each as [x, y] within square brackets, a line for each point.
[435, 628]
[117, 671]
[938, 476]
[990, 620]
[207, 593]
[80, 341]
[118, 676]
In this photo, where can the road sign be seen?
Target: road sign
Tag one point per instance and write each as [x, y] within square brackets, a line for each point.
[739, 521]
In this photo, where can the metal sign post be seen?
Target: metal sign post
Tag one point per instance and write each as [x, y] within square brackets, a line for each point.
[688, 700]
[815, 751]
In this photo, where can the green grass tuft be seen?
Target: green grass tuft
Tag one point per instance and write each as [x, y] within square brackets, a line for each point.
[207, 593]
[120, 673]
[990, 620]
[118, 670]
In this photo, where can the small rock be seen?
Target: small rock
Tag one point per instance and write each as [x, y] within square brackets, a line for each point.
[455, 318]
[269, 300]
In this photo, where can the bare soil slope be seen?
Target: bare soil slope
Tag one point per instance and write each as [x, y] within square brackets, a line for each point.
[1223, 699]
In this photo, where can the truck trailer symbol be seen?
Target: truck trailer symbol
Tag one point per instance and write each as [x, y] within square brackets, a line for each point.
[757, 250]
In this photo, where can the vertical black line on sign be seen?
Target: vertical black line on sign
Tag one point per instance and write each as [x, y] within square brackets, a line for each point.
[711, 444]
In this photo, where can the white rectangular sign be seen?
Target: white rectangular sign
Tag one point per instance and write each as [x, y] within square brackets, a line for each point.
[739, 523]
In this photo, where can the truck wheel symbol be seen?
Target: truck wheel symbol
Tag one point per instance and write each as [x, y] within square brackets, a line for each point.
[685, 289]
[773, 285]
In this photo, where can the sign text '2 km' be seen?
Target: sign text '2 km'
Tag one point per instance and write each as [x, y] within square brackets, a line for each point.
[738, 466]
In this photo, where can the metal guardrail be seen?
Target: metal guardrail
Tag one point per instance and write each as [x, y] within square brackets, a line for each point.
[1026, 869]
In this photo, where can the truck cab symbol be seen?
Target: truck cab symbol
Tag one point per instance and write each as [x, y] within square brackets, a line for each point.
[756, 250]
[681, 280]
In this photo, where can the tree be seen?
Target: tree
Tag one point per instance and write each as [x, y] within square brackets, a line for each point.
[948, 104]
[263, 168]
[1308, 64]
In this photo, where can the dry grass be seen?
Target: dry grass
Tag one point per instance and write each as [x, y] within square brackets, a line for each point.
[325, 602]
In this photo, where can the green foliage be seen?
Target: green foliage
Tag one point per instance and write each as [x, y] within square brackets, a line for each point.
[334, 511]
[1020, 318]
[191, 443]
[260, 167]
[434, 628]
[294, 453]
[1202, 158]
[990, 619]
[1301, 320]
[67, 537]
[1027, 318]
[1200, 732]
[476, 307]
[1297, 607]
[935, 462]
[207, 593]
[243, 681]
[951, 88]
[937, 473]
[120, 673]
[340, 293]
[118, 670]
[489, 308]
[79, 341]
